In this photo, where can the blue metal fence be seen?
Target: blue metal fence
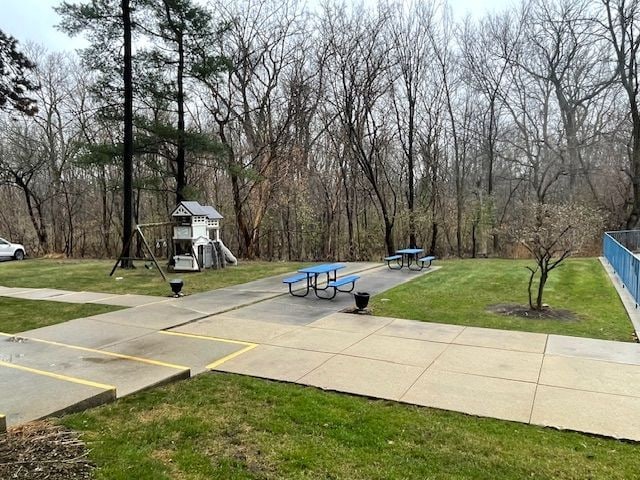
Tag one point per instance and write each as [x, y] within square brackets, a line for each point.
[619, 249]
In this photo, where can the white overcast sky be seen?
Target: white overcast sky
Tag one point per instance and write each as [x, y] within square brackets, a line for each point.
[35, 20]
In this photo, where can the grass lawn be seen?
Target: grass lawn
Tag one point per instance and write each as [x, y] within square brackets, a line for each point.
[232, 427]
[18, 315]
[93, 276]
[461, 291]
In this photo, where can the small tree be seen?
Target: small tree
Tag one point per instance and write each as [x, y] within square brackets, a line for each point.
[552, 233]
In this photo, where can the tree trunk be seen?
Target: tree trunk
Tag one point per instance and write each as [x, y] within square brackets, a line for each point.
[410, 179]
[106, 220]
[474, 240]
[388, 236]
[349, 212]
[543, 280]
[459, 229]
[181, 178]
[243, 231]
[530, 286]
[127, 157]
[37, 221]
[434, 238]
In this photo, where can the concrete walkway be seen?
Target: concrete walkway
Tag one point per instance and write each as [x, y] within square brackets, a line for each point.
[565, 382]
[88, 361]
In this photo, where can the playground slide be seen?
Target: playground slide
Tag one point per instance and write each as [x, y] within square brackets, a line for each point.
[229, 257]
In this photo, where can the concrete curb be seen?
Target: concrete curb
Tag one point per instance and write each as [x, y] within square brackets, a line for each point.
[94, 401]
[181, 375]
[627, 300]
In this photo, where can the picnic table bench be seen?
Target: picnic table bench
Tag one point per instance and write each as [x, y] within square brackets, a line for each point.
[398, 260]
[293, 280]
[423, 260]
[311, 274]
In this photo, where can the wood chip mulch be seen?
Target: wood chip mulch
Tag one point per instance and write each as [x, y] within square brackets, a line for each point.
[42, 450]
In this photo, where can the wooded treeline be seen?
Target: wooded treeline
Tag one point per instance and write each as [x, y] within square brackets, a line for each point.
[338, 132]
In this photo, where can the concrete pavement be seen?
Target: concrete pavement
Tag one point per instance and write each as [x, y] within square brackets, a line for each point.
[88, 361]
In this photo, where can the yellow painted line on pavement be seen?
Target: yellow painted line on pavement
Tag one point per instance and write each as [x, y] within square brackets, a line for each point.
[206, 337]
[57, 376]
[220, 361]
[103, 352]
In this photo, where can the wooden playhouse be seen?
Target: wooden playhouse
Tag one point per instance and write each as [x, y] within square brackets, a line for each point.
[196, 238]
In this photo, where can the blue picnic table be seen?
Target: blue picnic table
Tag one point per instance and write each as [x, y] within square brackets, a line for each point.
[408, 257]
[332, 282]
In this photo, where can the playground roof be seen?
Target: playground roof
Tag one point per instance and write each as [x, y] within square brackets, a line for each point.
[196, 209]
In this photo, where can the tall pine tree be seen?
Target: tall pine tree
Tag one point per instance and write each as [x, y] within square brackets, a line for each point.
[108, 27]
[181, 33]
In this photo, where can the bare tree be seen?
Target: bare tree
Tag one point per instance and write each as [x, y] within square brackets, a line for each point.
[359, 67]
[488, 48]
[252, 109]
[23, 166]
[552, 233]
[561, 45]
[622, 29]
[458, 106]
[412, 55]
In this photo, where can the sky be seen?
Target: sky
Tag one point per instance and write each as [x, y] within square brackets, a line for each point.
[34, 20]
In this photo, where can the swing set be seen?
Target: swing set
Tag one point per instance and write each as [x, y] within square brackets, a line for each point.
[149, 257]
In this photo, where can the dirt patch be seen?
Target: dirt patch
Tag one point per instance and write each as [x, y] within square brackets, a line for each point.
[42, 450]
[523, 311]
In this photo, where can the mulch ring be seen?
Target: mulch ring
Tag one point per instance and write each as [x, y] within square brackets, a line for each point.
[43, 450]
[524, 311]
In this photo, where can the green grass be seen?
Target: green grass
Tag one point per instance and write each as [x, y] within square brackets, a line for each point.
[93, 276]
[231, 427]
[18, 315]
[461, 291]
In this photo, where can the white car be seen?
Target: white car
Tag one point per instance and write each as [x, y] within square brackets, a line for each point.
[11, 250]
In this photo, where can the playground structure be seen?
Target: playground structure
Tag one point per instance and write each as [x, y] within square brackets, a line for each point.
[196, 238]
[195, 243]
